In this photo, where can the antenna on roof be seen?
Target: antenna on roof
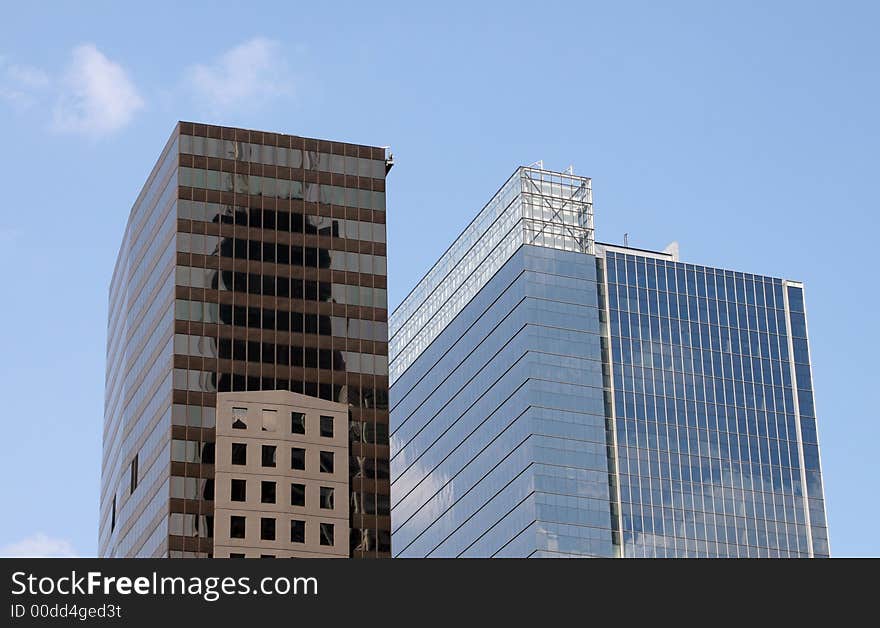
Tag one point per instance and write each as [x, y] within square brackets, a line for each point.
[625, 239]
[570, 169]
[537, 164]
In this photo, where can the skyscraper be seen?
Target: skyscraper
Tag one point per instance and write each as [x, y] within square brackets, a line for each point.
[246, 405]
[557, 397]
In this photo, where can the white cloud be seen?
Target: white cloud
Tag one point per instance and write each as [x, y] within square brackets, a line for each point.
[243, 77]
[97, 96]
[39, 546]
[21, 85]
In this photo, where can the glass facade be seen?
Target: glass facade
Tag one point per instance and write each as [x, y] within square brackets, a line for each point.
[137, 400]
[265, 264]
[600, 401]
[498, 421]
[534, 206]
[717, 450]
[498, 431]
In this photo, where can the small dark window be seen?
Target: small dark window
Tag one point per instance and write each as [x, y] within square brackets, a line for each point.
[326, 462]
[236, 527]
[298, 459]
[236, 556]
[208, 453]
[327, 426]
[268, 455]
[297, 494]
[238, 417]
[267, 492]
[297, 423]
[113, 515]
[327, 497]
[267, 529]
[267, 555]
[134, 473]
[239, 453]
[384, 544]
[238, 491]
[327, 534]
[297, 531]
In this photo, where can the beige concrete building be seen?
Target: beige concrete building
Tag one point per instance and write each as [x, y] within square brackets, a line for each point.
[281, 476]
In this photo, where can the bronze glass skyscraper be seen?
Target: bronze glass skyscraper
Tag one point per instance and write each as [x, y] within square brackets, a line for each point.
[251, 262]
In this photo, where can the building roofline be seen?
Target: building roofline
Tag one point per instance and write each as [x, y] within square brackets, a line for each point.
[187, 125]
[473, 220]
[620, 247]
[673, 257]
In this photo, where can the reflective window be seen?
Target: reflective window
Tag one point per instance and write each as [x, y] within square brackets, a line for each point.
[326, 534]
[534, 206]
[238, 418]
[297, 423]
[326, 458]
[134, 473]
[256, 185]
[705, 401]
[268, 457]
[297, 494]
[327, 497]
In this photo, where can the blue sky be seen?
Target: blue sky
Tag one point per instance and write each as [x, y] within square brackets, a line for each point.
[748, 132]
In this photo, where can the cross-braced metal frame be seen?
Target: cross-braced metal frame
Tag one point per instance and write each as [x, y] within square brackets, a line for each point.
[557, 210]
[535, 206]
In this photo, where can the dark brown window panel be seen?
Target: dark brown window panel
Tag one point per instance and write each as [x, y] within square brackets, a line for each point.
[292, 373]
[192, 469]
[190, 543]
[279, 139]
[197, 434]
[329, 241]
[314, 208]
[207, 399]
[192, 506]
[288, 237]
[317, 308]
[293, 269]
[233, 166]
[302, 339]
[283, 355]
[283, 173]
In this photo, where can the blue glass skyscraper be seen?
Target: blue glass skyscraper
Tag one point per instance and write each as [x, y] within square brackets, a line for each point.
[715, 429]
[553, 396]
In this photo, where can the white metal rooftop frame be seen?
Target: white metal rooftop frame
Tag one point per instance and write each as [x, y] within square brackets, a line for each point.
[534, 206]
